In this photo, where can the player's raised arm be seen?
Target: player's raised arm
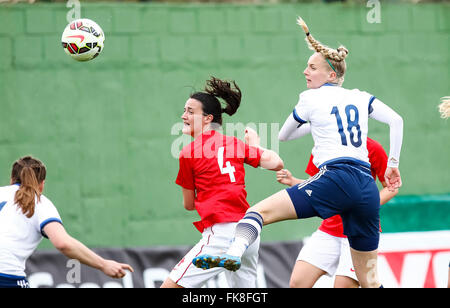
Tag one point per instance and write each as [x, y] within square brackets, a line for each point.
[383, 113]
[292, 129]
[74, 249]
[269, 159]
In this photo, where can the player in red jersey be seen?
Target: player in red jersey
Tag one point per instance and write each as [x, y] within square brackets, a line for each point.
[211, 176]
[327, 251]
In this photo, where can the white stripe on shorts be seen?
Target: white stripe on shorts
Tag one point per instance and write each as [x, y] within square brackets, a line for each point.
[313, 178]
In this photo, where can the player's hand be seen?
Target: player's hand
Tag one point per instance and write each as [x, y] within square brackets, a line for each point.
[114, 269]
[284, 176]
[393, 179]
[251, 137]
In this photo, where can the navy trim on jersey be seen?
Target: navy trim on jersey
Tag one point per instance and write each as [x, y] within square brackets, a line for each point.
[46, 222]
[297, 118]
[330, 84]
[370, 104]
[344, 160]
[2, 205]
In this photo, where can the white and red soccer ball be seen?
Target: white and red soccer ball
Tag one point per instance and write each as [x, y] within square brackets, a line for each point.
[83, 39]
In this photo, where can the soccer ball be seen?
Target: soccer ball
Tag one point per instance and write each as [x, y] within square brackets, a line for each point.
[83, 39]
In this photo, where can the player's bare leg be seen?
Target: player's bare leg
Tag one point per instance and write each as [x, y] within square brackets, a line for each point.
[169, 283]
[275, 208]
[305, 275]
[345, 282]
[365, 263]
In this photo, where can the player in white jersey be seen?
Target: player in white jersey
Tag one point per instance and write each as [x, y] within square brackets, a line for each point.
[344, 185]
[444, 107]
[26, 216]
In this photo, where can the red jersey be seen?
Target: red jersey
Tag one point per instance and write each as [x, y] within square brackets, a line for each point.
[378, 163]
[213, 166]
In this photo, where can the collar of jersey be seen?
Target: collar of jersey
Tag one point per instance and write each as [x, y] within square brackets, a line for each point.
[330, 84]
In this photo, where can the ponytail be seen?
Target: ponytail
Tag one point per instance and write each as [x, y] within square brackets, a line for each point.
[334, 57]
[29, 173]
[223, 89]
[215, 89]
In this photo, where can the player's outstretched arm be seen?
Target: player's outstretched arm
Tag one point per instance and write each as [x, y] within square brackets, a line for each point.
[393, 179]
[386, 195]
[285, 177]
[269, 159]
[292, 130]
[74, 249]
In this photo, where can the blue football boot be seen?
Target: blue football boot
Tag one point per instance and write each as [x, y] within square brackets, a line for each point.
[228, 262]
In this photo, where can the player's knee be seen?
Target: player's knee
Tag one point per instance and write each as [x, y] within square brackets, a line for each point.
[294, 282]
[370, 284]
[297, 282]
[345, 282]
[258, 213]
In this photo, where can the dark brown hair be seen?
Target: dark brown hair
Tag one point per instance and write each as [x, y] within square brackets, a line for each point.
[29, 173]
[215, 89]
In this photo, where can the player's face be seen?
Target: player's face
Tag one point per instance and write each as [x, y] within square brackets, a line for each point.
[193, 118]
[317, 71]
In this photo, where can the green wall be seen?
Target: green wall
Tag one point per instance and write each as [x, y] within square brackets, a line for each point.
[103, 128]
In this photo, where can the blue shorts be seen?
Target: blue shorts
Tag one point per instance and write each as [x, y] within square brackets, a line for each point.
[347, 188]
[10, 281]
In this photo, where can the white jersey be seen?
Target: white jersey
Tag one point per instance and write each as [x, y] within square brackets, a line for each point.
[339, 122]
[20, 235]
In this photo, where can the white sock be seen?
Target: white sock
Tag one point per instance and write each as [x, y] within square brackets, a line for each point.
[238, 247]
[247, 231]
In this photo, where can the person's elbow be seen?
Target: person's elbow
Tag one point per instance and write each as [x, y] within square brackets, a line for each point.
[58, 237]
[62, 243]
[62, 246]
[190, 206]
[270, 160]
[188, 199]
[285, 135]
[282, 136]
[397, 120]
[279, 165]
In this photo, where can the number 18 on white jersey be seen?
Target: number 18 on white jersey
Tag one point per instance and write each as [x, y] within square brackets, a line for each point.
[339, 122]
